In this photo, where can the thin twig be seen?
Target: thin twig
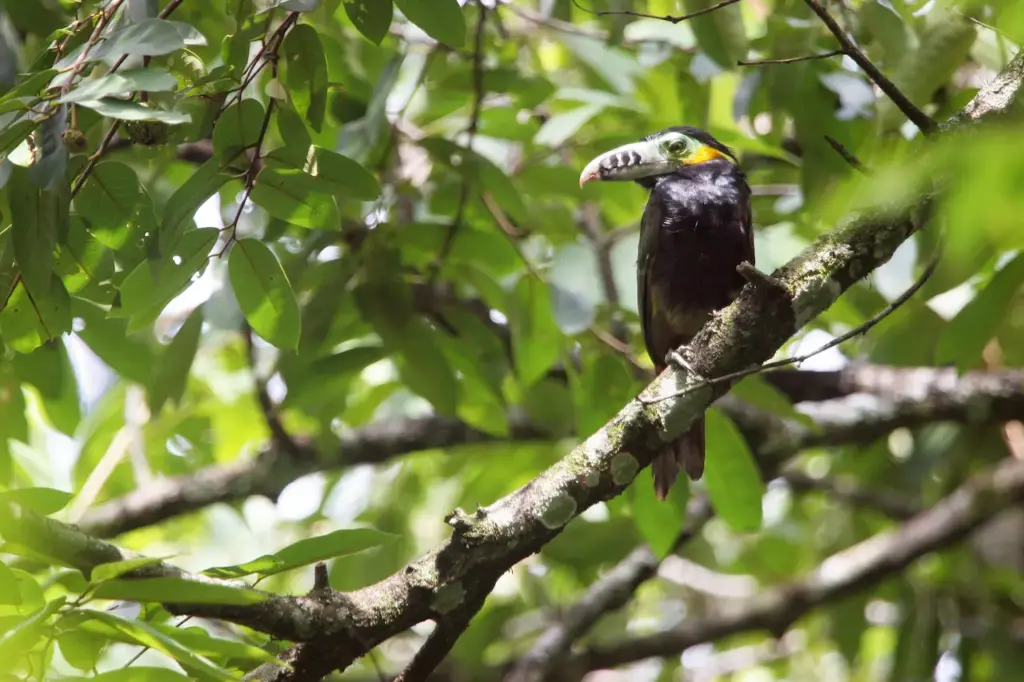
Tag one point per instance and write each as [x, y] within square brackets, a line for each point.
[662, 17]
[793, 60]
[847, 155]
[255, 165]
[474, 123]
[279, 436]
[795, 360]
[94, 159]
[105, 17]
[116, 125]
[511, 231]
[924, 122]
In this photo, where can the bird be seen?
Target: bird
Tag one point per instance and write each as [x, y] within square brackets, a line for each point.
[695, 231]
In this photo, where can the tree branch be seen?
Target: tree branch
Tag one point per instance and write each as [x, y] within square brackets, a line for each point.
[792, 60]
[844, 573]
[663, 17]
[905, 397]
[449, 628]
[335, 629]
[474, 123]
[895, 384]
[924, 123]
[611, 592]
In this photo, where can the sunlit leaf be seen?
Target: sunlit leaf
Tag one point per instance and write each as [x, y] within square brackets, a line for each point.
[138, 632]
[264, 293]
[115, 569]
[371, 17]
[152, 285]
[122, 83]
[733, 481]
[109, 195]
[238, 128]
[306, 73]
[261, 565]
[296, 197]
[535, 334]
[40, 500]
[331, 545]
[440, 19]
[964, 338]
[177, 590]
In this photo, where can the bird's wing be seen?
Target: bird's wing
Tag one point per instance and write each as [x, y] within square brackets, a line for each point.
[748, 223]
[650, 227]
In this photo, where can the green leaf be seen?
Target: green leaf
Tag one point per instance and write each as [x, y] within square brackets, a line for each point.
[109, 195]
[43, 501]
[264, 294]
[11, 135]
[294, 196]
[229, 652]
[49, 370]
[264, 564]
[964, 338]
[83, 650]
[372, 18]
[34, 230]
[945, 40]
[153, 284]
[756, 391]
[83, 261]
[442, 20]
[186, 200]
[306, 73]
[170, 376]
[297, 142]
[31, 86]
[344, 177]
[126, 110]
[733, 480]
[480, 173]
[138, 632]
[150, 37]
[604, 385]
[719, 33]
[421, 362]
[18, 640]
[571, 279]
[136, 673]
[114, 569]
[659, 521]
[536, 339]
[122, 83]
[177, 590]
[10, 594]
[338, 543]
[108, 339]
[27, 322]
[238, 128]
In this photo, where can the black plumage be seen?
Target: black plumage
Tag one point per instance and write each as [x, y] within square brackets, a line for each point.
[695, 230]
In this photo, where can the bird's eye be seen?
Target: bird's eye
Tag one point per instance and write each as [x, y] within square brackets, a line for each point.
[676, 146]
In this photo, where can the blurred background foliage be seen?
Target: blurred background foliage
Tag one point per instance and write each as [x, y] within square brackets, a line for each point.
[443, 261]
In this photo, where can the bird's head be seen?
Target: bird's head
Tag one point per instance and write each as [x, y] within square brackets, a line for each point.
[659, 154]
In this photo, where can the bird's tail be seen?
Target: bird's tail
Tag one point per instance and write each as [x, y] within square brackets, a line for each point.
[686, 453]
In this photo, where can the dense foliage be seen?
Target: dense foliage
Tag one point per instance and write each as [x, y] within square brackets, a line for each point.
[394, 299]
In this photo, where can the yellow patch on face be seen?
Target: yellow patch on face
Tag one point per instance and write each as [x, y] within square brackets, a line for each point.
[705, 153]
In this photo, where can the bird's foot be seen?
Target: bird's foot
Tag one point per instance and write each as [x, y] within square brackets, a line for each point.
[676, 359]
[758, 278]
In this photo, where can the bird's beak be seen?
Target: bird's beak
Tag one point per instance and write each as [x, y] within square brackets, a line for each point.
[628, 162]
